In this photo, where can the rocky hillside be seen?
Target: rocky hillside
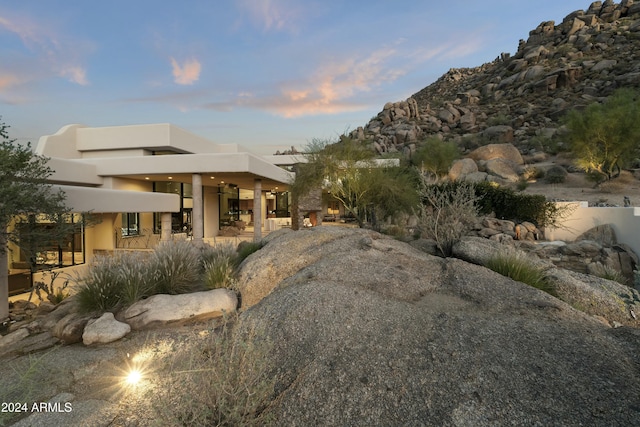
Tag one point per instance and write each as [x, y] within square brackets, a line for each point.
[520, 98]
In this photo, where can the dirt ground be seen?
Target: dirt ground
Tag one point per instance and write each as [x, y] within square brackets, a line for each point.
[578, 188]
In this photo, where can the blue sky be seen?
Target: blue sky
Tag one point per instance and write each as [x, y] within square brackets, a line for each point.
[267, 74]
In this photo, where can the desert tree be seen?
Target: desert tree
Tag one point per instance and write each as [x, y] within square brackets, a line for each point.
[349, 172]
[435, 156]
[26, 198]
[605, 137]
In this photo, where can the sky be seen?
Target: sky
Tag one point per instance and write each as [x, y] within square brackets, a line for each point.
[266, 74]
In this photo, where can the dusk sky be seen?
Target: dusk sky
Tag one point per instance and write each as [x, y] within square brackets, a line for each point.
[267, 74]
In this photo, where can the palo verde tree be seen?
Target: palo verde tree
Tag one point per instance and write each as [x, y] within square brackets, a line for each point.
[605, 137]
[350, 173]
[26, 197]
[435, 156]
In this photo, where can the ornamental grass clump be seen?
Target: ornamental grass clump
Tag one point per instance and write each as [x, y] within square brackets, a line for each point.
[137, 281]
[516, 266]
[177, 266]
[219, 265]
[99, 288]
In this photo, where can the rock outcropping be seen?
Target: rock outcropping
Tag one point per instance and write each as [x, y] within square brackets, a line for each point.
[370, 331]
[519, 98]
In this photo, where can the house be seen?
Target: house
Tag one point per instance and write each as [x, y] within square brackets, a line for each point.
[147, 182]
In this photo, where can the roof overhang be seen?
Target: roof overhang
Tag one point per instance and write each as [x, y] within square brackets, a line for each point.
[102, 200]
[239, 168]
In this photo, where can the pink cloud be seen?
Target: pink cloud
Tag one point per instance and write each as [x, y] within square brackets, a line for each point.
[60, 54]
[186, 74]
[275, 15]
[330, 90]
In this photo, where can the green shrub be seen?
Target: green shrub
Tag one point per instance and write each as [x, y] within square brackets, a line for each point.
[245, 249]
[435, 156]
[99, 286]
[522, 185]
[516, 266]
[178, 267]
[556, 175]
[231, 374]
[507, 204]
[499, 119]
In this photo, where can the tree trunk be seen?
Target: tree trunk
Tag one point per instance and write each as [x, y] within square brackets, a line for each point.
[4, 278]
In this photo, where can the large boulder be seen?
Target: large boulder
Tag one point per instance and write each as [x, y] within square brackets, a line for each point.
[603, 234]
[502, 168]
[617, 304]
[104, 329]
[461, 168]
[374, 332]
[290, 252]
[69, 329]
[159, 310]
[497, 151]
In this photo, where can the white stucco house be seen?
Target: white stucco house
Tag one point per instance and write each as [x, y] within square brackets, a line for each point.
[155, 180]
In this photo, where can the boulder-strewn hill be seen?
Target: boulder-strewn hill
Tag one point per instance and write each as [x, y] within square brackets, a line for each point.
[519, 97]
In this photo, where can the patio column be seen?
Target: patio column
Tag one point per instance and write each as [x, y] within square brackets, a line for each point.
[165, 226]
[257, 210]
[198, 212]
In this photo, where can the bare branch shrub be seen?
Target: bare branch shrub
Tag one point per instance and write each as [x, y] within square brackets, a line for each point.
[447, 213]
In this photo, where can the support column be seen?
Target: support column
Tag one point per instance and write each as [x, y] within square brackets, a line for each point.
[257, 210]
[165, 226]
[198, 211]
[4, 277]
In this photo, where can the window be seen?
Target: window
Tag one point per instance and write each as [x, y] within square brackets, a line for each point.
[333, 208]
[180, 221]
[42, 247]
[130, 224]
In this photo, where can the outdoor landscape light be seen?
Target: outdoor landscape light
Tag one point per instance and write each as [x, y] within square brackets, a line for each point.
[133, 377]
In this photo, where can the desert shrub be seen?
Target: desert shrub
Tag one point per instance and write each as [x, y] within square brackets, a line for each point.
[516, 266]
[522, 185]
[395, 231]
[556, 175]
[448, 212]
[177, 265]
[54, 294]
[231, 375]
[499, 119]
[245, 249]
[99, 285]
[533, 173]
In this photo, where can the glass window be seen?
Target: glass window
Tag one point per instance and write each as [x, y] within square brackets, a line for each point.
[42, 247]
[180, 221]
[130, 224]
